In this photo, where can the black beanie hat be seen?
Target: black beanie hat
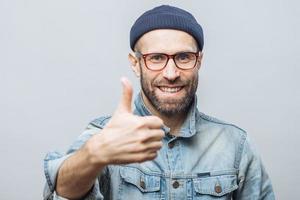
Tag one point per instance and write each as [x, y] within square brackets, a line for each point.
[166, 17]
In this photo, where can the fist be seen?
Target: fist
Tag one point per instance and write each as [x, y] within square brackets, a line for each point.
[126, 138]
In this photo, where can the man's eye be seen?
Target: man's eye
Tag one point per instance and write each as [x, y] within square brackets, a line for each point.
[157, 58]
[183, 57]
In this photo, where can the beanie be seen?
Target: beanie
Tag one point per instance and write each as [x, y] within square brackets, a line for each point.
[166, 17]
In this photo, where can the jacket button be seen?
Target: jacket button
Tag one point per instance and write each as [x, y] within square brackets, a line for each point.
[171, 144]
[175, 184]
[218, 189]
[142, 184]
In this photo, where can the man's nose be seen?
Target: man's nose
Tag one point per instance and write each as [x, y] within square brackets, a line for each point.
[171, 72]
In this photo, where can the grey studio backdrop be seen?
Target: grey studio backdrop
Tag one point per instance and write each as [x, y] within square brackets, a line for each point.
[61, 61]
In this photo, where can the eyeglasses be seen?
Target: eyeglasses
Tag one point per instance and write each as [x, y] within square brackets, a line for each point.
[158, 61]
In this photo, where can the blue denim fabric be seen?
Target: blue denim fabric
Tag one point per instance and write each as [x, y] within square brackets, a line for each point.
[210, 159]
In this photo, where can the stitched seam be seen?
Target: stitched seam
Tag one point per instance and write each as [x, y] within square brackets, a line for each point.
[211, 119]
[192, 176]
[238, 157]
[220, 194]
[47, 176]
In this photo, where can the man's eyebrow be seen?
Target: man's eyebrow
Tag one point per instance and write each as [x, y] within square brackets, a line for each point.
[186, 51]
[195, 50]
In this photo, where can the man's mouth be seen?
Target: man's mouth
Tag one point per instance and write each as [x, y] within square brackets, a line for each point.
[170, 89]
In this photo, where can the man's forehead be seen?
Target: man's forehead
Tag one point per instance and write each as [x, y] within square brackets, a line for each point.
[167, 41]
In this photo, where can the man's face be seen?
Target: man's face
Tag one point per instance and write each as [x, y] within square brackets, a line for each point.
[171, 90]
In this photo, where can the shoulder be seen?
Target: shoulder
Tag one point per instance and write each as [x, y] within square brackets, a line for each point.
[206, 121]
[94, 127]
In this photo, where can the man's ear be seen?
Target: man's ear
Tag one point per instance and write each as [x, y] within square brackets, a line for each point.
[199, 62]
[134, 62]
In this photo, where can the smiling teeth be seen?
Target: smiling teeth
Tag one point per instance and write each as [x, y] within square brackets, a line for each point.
[170, 90]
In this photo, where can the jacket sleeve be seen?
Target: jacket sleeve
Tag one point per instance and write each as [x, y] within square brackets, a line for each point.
[54, 160]
[254, 182]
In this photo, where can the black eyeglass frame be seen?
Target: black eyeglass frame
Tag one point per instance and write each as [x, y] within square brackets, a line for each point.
[139, 54]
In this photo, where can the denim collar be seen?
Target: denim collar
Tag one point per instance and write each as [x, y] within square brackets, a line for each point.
[188, 128]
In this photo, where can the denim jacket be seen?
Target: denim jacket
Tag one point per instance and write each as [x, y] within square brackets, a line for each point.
[209, 159]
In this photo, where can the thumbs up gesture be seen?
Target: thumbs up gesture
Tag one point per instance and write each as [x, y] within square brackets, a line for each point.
[126, 138]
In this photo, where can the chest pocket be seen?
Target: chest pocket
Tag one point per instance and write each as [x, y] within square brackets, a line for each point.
[137, 184]
[220, 187]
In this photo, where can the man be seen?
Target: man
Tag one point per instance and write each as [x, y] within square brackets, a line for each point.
[166, 148]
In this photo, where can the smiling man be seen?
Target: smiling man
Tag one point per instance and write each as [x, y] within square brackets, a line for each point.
[167, 62]
[165, 148]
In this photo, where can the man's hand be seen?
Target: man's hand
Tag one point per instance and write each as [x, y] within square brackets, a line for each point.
[126, 138]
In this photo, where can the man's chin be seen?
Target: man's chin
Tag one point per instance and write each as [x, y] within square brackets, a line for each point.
[170, 107]
[170, 101]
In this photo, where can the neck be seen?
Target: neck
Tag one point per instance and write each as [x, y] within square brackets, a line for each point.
[173, 122]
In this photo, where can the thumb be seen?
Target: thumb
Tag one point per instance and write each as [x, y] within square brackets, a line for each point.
[126, 98]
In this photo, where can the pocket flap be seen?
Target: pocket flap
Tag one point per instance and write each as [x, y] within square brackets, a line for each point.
[143, 181]
[215, 185]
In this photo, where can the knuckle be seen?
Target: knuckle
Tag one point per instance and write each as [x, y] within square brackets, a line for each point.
[160, 144]
[152, 156]
[156, 146]
[143, 136]
[139, 123]
[141, 147]
[140, 158]
[161, 133]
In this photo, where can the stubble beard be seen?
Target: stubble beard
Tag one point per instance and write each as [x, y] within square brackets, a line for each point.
[170, 107]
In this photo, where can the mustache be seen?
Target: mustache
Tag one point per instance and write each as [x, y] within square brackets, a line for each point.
[177, 81]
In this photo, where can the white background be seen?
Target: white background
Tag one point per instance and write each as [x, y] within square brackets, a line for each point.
[61, 60]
